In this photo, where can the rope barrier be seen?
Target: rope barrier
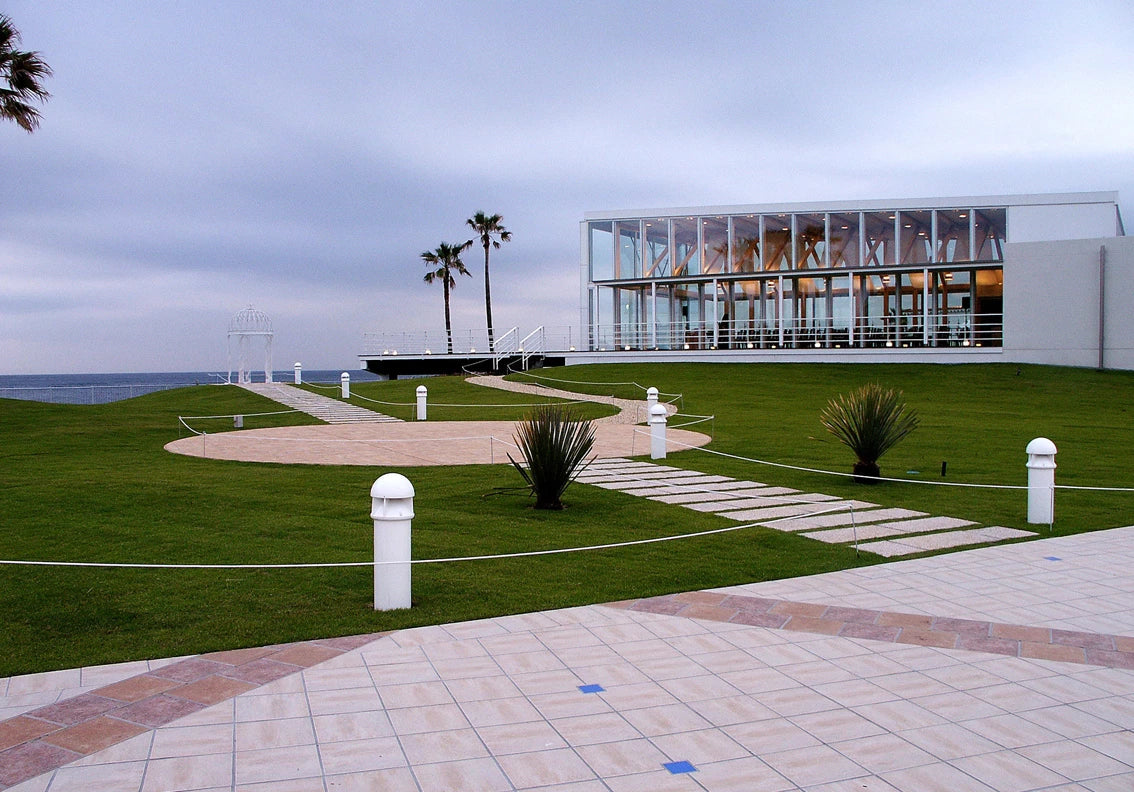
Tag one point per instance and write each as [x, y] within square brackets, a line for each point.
[524, 554]
[838, 473]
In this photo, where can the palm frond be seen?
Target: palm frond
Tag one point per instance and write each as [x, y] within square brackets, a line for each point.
[554, 446]
[870, 421]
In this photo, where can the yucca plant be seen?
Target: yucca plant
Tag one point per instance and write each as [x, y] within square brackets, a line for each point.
[870, 421]
[554, 446]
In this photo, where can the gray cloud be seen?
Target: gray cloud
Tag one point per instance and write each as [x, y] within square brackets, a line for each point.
[200, 156]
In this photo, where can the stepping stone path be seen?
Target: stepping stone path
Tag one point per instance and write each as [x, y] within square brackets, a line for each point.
[885, 531]
[324, 408]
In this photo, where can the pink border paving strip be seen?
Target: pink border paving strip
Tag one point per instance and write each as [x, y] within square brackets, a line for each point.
[52, 736]
[1040, 643]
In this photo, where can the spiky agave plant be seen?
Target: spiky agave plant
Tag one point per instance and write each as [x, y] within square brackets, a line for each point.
[870, 421]
[554, 446]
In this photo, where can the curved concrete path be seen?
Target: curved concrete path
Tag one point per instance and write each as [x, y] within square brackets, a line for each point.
[630, 411]
[388, 442]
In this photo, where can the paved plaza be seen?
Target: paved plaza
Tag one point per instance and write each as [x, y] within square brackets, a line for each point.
[620, 697]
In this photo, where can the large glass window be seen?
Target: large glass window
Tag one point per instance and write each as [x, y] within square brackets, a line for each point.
[810, 241]
[602, 251]
[714, 231]
[844, 240]
[629, 261]
[878, 228]
[746, 243]
[777, 242]
[686, 250]
[916, 241]
[988, 230]
[657, 248]
[953, 235]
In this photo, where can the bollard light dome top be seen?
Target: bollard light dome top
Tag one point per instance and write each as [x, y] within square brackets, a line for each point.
[657, 409]
[1041, 445]
[392, 485]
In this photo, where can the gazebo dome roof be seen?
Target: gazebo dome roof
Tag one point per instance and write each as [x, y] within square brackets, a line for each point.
[250, 320]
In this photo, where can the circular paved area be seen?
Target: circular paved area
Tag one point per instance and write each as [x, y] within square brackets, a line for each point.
[406, 444]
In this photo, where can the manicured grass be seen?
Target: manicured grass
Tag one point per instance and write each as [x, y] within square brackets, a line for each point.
[976, 418]
[94, 484]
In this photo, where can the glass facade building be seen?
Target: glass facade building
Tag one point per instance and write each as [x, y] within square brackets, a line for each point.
[873, 275]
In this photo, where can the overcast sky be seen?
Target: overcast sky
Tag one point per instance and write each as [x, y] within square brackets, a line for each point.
[199, 157]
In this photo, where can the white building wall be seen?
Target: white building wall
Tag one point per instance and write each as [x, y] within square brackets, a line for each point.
[1051, 302]
[1061, 221]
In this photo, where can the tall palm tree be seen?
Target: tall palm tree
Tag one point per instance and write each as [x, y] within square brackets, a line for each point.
[20, 76]
[447, 259]
[487, 227]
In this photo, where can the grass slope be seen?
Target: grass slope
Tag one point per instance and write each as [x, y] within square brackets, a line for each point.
[93, 483]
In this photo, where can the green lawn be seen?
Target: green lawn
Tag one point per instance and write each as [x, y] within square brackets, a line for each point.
[92, 483]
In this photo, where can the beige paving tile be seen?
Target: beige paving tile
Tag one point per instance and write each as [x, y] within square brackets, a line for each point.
[700, 746]
[277, 764]
[189, 772]
[817, 764]
[446, 746]
[394, 779]
[468, 775]
[431, 718]
[665, 719]
[728, 711]
[881, 753]
[355, 756]
[192, 740]
[253, 735]
[512, 738]
[935, 778]
[352, 726]
[740, 775]
[770, 736]
[544, 768]
[836, 725]
[621, 758]
[1074, 760]
[950, 741]
[416, 694]
[595, 728]
[1008, 771]
[99, 778]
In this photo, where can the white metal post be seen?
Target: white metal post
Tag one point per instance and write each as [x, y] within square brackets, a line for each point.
[657, 431]
[392, 513]
[344, 378]
[422, 395]
[1041, 481]
[298, 373]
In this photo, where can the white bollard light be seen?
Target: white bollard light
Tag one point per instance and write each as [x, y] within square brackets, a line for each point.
[651, 398]
[344, 378]
[422, 395]
[298, 373]
[392, 512]
[1041, 481]
[657, 431]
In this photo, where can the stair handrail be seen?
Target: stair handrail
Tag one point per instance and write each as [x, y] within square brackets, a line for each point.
[504, 346]
[528, 347]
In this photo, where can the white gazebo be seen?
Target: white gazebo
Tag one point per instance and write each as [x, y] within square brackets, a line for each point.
[246, 327]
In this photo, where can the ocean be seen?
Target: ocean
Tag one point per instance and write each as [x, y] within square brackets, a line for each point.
[104, 388]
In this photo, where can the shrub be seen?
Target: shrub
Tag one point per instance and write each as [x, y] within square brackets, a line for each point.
[870, 421]
[554, 446]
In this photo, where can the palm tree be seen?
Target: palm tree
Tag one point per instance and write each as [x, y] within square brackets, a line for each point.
[486, 227]
[20, 75]
[447, 259]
